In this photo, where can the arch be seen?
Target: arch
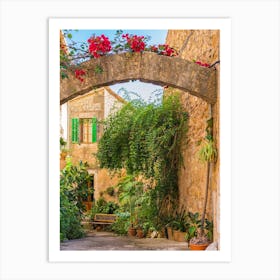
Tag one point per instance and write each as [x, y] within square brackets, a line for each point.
[146, 67]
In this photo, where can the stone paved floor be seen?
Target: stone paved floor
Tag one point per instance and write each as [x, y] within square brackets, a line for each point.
[101, 240]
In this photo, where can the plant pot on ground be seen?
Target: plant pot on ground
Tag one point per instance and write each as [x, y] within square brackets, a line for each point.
[170, 233]
[179, 236]
[197, 236]
[199, 243]
[131, 231]
[179, 226]
[140, 233]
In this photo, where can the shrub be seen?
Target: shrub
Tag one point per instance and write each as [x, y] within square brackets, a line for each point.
[104, 207]
[147, 140]
[73, 189]
[122, 223]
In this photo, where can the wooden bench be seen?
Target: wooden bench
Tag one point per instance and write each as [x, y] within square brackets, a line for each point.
[104, 219]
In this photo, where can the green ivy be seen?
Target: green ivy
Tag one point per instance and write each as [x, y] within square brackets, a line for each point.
[146, 139]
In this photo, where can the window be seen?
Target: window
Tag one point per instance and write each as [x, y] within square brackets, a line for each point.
[84, 130]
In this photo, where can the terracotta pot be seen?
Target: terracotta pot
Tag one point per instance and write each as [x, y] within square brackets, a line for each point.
[198, 247]
[170, 233]
[132, 231]
[140, 233]
[63, 155]
[179, 236]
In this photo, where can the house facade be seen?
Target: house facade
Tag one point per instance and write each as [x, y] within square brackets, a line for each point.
[81, 128]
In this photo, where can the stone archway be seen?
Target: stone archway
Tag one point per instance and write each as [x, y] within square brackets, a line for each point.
[146, 67]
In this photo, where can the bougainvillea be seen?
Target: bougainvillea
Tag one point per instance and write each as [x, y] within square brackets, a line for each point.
[79, 74]
[163, 49]
[99, 45]
[202, 64]
[166, 50]
[135, 43]
[96, 46]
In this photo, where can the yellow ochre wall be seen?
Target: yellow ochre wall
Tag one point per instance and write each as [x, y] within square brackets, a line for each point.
[199, 45]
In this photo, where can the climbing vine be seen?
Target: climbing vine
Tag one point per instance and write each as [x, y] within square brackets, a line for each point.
[145, 139]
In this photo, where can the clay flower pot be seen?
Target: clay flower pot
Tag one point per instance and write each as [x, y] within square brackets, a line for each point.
[198, 247]
[140, 233]
[131, 231]
[170, 233]
[179, 236]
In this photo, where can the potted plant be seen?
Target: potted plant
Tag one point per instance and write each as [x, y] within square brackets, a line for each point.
[196, 242]
[129, 189]
[140, 231]
[193, 230]
[179, 226]
[63, 150]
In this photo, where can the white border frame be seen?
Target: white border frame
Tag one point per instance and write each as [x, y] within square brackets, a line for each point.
[224, 254]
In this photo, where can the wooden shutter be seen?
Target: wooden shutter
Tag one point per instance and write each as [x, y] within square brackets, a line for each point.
[75, 130]
[94, 130]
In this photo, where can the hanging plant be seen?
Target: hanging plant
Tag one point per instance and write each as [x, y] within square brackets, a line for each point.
[146, 139]
[208, 151]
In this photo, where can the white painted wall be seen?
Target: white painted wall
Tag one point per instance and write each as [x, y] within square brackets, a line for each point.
[111, 104]
[63, 121]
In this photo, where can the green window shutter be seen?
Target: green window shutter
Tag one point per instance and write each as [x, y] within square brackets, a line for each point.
[94, 130]
[75, 130]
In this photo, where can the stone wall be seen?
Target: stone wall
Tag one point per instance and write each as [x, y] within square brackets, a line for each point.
[199, 45]
[146, 67]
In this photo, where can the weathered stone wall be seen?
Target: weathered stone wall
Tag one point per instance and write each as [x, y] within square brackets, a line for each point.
[146, 67]
[199, 45]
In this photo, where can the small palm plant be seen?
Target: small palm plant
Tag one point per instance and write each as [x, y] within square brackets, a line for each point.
[129, 189]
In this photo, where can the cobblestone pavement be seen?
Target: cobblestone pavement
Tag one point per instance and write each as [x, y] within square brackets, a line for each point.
[101, 240]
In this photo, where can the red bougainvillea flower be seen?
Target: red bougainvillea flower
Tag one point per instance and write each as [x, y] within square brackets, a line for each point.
[99, 45]
[202, 64]
[135, 43]
[154, 49]
[79, 73]
[166, 50]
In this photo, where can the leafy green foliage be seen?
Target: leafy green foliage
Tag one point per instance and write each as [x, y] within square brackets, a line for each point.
[121, 225]
[208, 151]
[146, 139]
[209, 229]
[73, 189]
[104, 207]
[129, 191]
[110, 191]
[98, 69]
[179, 222]
[194, 225]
